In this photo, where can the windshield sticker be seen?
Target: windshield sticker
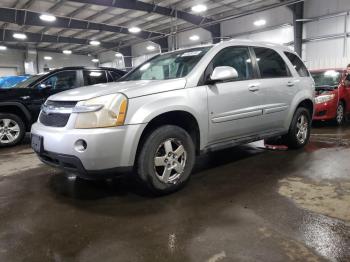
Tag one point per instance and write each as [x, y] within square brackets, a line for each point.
[193, 53]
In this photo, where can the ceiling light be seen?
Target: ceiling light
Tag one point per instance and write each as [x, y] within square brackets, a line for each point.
[194, 38]
[47, 57]
[47, 17]
[19, 36]
[260, 22]
[2, 47]
[199, 8]
[118, 55]
[151, 47]
[95, 42]
[134, 30]
[95, 60]
[67, 52]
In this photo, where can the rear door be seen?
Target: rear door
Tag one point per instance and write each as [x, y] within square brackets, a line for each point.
[277, 87]
[234, 105]
[93, 77]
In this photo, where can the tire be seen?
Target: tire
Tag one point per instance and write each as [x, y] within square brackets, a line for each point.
[164, 145]
[340, 117]
[294, 139]
[12, 130]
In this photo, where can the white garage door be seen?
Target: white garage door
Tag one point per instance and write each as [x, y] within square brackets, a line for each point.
[8, 71]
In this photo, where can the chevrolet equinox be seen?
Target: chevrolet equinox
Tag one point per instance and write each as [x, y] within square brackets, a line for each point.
[174, 106]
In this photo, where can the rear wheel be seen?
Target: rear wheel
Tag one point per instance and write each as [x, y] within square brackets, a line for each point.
[12, 130]
[166, 159]
[340, 118]
[300, 129]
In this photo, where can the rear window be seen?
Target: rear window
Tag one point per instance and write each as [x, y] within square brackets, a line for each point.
[92, 77]
[271, 64]
[298, 64]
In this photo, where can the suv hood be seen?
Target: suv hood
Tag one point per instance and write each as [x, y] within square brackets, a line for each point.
[130, 88]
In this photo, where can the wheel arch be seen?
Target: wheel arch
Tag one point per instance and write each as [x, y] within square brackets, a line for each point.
[19, 110]
[181, 118]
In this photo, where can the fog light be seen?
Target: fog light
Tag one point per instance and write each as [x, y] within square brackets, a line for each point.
[80, 145]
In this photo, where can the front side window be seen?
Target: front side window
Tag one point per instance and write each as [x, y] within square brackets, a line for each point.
[168, 66]
[61, 81]
[92, 77]
[298, 64]
[271, 64]
[236, 57]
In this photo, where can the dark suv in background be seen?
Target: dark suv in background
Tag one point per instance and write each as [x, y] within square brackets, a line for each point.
[20, 106]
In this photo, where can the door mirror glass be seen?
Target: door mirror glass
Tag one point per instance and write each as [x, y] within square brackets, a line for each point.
[222, 73]
[44, 86]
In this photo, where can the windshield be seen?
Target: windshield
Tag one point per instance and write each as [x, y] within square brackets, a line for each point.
[168, 66]
[328, 78]
[29, 81]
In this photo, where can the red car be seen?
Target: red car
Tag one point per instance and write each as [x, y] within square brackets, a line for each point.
[332, 96]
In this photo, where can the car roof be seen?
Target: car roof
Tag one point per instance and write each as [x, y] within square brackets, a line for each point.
[84, 67]
[244, 42]
[326, 69]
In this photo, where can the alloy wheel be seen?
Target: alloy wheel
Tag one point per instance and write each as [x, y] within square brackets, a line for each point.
[170, 161]
[302, 129]
[340, 114]
[9, 131]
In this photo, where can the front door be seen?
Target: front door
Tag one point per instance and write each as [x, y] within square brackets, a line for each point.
[55, 83]
[235, 105]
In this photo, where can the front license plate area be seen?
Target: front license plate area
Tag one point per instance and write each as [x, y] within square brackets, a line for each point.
[37, 143]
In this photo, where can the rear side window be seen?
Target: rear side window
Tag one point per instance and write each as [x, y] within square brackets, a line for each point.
[236, 57]
[92, 77]
[271, 64]
[115, 75]
[298, 64]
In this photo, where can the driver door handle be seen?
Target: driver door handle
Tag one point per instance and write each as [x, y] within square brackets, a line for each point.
[254, 87]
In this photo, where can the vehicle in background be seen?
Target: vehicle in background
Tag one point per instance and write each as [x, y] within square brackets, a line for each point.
[174, 106]
[20, 105]
[10, 81]
[332, 97]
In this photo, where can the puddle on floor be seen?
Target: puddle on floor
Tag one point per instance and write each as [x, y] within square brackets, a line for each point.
[330, 199]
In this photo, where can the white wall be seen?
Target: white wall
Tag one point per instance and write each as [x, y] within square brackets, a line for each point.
[331, 52]
[108, 59]
[11, 58]
[61, 60]
[183, 38]
[274, 17]
[141, 54]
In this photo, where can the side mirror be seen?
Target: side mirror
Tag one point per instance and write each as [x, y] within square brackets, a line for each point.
[43, 86]
[222, 73]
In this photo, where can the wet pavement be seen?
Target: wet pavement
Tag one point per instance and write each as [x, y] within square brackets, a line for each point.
[242, 204]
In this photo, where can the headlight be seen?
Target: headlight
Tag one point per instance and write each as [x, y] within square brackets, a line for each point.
[103, 111]
[324, 98]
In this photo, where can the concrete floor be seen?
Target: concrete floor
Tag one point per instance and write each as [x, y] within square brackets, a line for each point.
[243, 204]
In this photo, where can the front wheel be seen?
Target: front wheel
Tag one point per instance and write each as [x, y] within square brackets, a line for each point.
[340, 118]
[12, 130]
[300, 129]
[166, 159]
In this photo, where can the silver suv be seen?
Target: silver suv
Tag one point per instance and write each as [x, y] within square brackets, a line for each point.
[174, 107]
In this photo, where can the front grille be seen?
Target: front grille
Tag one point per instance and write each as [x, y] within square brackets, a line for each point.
[51, 116]
[64, 104]
[54, 120]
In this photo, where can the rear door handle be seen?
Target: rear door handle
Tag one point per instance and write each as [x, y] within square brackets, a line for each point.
[290, 83]
[254, 87]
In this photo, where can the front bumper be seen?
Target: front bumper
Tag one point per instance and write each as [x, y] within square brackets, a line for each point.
[326, 111]
[109, 150]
